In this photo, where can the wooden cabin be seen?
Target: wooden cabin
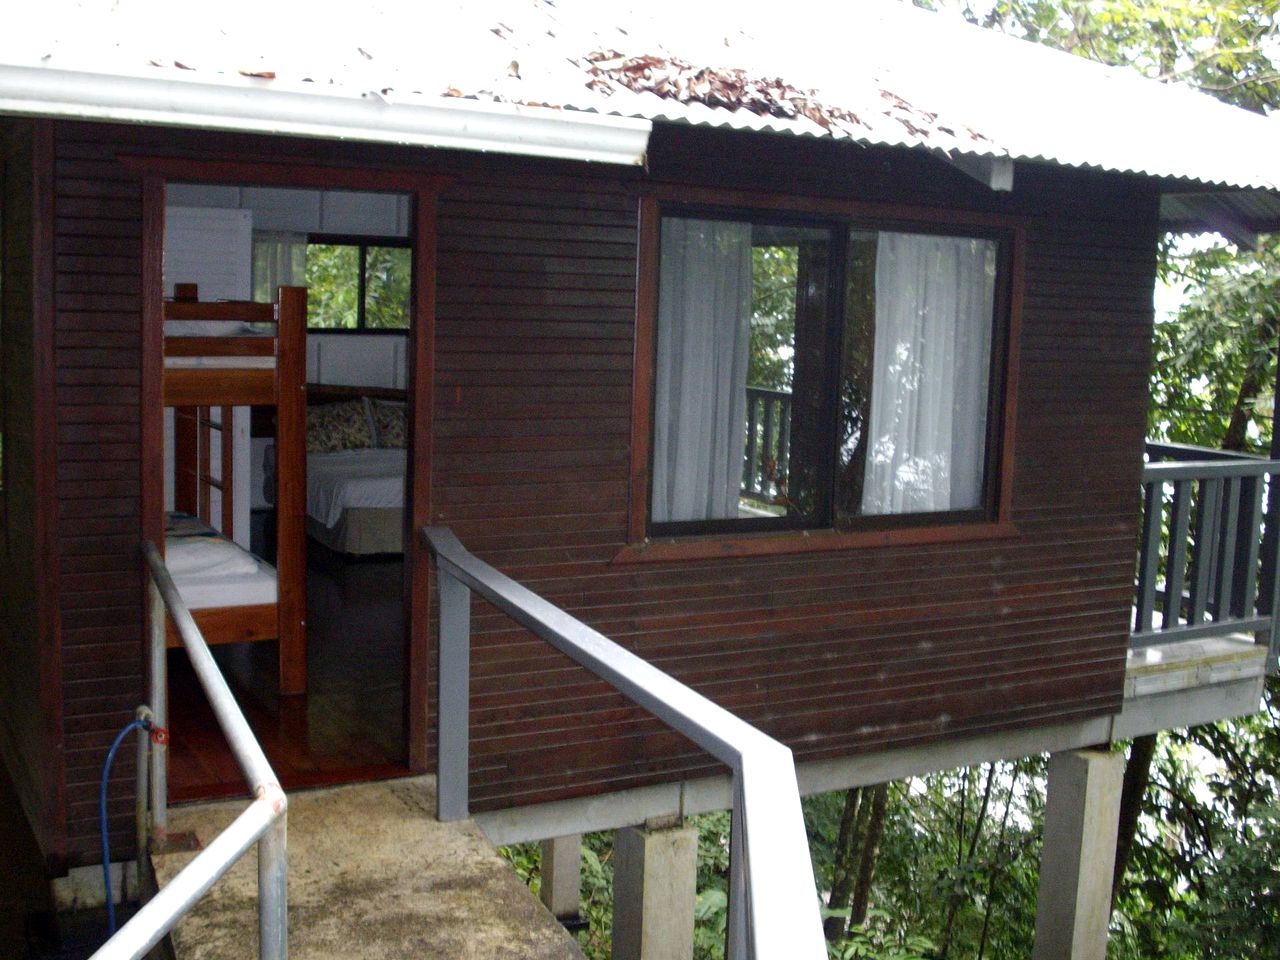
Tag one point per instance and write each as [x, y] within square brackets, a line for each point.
[855, 569]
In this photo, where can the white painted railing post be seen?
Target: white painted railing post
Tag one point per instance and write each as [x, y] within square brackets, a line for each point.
[452, 785]
[737, 936]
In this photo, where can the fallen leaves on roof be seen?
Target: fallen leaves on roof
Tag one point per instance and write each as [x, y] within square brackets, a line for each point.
[726, 87]
[731, 88]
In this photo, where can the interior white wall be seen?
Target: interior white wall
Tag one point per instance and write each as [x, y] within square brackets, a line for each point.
[351, 212]
[379, 360]
[213, 248]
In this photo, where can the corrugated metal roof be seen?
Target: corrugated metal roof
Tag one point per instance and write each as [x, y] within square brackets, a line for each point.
[877, 73]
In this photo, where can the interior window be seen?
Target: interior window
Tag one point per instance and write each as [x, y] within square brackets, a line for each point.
[819, 375]
[357, 286]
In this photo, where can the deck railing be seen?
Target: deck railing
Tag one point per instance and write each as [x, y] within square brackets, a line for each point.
[768, 446]
[773, 904]
[1206, 559]
[263, 822]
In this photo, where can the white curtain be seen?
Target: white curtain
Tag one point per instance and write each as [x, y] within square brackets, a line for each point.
[934, 299]
[279, 260]
[700, 404]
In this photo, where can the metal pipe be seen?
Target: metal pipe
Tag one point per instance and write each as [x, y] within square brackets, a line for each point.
[149, 925]
[773, 906]
[705, 722]
[159, 700]
[273, 873]
[140, 824]
[248, 753]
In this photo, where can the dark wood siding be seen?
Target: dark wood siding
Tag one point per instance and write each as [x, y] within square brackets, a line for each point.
[98, 317]
[836, 653]
[30, 694]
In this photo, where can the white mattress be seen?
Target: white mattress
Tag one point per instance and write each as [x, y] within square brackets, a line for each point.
[353, 478]
[211, 571]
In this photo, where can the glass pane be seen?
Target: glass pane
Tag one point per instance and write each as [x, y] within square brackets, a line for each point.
[703, 338]
[926, 431]
[333, 285]
[741, 309]
[857, 346]
[770, 371]
[386, 292]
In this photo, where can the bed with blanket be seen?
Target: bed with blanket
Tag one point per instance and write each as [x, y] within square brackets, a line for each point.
[356, 465]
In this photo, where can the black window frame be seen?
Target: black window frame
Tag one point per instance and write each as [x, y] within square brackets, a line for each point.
[362, 243]
[839, 226]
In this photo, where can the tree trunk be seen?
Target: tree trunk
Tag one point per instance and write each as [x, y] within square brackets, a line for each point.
[870, 853]
[842, 872]
[1137, 773]
[1241, 412]
[963, 855]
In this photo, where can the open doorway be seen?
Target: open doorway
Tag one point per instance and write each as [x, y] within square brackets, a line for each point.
[353, 251]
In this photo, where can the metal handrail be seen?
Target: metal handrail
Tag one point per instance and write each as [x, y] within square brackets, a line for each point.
[1211, 544]
[773, 903]
[264, 822]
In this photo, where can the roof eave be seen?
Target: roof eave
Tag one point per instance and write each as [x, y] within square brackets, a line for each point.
[270, 106]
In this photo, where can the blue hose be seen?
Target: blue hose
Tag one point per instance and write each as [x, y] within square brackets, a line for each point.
[139, 724]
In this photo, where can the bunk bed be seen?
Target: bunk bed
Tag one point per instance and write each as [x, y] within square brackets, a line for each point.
[218, 356]
[356, 477]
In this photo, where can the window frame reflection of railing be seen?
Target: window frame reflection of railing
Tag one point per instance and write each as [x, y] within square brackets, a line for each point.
[773, 902]
[1207, 558]
[766, 456]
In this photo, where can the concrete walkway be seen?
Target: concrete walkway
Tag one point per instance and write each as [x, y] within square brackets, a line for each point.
[372, 874]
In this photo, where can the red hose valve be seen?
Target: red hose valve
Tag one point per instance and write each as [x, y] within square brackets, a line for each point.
[159, 735]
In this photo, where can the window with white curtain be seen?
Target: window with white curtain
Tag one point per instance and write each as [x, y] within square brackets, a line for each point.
[823, 374]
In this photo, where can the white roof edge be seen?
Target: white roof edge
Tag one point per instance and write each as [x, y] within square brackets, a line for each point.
[273, 106]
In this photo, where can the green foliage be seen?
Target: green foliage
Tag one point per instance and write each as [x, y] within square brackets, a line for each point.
[333, 285]
[1223, 47]
[333, 282]
[1208, 832]
[773, 316]
[387, 278]
[868, 942]
[1216, 356]
[597, 895]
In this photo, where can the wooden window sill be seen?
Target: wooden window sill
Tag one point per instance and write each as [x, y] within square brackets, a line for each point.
[666, 549]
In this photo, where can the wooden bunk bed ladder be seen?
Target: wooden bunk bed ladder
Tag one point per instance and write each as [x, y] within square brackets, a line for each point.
[193, 392]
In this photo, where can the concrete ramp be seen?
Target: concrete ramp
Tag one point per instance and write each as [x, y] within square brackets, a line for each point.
[372, 874]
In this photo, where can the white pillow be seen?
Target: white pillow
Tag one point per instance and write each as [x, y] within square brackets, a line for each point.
[207, 556]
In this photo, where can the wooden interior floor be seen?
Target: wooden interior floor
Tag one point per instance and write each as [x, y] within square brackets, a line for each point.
[348, 727]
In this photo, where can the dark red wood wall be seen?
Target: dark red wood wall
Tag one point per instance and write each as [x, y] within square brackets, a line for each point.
[835, 653]
[97, 248]
[30, 657]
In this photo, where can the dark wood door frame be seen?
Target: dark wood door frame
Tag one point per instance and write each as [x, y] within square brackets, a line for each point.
[424, 189]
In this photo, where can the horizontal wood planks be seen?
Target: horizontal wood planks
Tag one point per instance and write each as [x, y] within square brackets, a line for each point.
[97, 249]
[30, 679]
[835, 652]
